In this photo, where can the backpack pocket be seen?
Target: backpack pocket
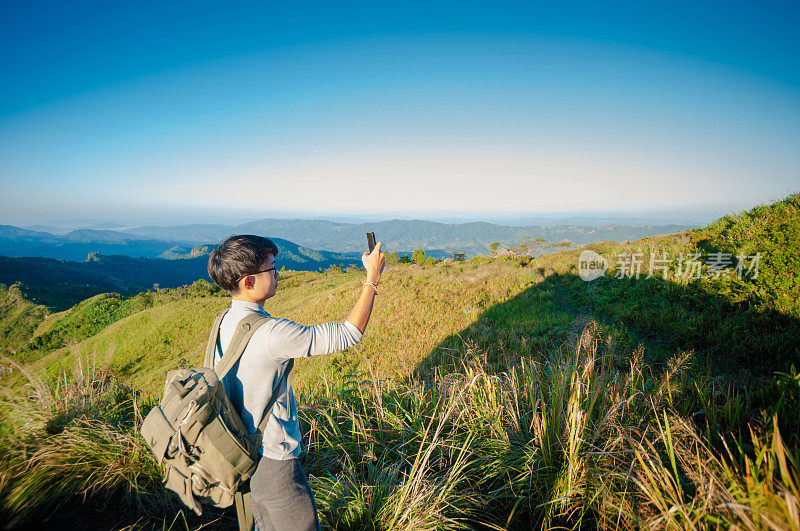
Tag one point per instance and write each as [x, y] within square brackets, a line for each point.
[232, 459]
[157, 432]
[181, 484]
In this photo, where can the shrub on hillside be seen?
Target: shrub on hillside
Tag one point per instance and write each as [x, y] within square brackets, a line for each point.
[773, 231]
[204, 288]
[86, 319]
[334, 269]
[480, 259]
[392, 257]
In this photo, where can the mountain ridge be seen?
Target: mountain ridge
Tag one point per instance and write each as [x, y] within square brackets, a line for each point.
[59, 284]
[402, 235]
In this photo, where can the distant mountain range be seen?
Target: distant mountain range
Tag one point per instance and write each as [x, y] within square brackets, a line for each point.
[77, 244]
[398, 235]
[59, 269]
[59, 284]
[404, 236]
[437, 239]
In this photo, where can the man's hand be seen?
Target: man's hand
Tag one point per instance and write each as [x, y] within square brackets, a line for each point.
[374, 263]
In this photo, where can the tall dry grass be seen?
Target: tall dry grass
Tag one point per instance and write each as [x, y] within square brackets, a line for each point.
[74, 439]
[568, 442]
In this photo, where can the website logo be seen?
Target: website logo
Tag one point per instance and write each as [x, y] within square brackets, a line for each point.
[591, 265]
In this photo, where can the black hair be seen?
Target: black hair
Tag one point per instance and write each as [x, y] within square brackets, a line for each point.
[237, 257]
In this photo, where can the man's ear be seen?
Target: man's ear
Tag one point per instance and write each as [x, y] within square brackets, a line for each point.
[248, 282]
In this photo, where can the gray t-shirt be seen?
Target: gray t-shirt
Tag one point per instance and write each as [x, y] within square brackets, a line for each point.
[250, 382]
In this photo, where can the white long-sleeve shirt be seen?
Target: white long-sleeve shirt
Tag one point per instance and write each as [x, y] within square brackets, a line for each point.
[250, 382]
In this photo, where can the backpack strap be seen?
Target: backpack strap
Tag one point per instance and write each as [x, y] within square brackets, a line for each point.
[268, 409]
[244, 331]
[208, 360]
[244, 508]
[247, 327]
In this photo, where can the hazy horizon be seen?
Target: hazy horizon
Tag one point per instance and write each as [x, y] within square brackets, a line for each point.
[678, 216]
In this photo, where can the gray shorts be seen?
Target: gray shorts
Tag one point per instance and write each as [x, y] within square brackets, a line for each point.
[282, 499]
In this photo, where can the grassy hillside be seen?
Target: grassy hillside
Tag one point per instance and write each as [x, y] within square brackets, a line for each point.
[774, 232]
[403, 331]
[504, 393]
[33, 332]
[19, 318]
[749, 322]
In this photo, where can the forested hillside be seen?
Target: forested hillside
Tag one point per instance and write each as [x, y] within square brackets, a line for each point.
[59, 284]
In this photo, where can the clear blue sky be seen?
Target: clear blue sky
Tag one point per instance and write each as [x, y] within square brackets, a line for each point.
[147, 108]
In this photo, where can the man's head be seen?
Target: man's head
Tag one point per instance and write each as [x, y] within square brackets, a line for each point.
[239, 262]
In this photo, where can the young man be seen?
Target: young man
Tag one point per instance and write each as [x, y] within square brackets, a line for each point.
[245, 267]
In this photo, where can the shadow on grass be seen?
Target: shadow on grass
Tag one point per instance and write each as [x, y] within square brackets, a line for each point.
[79, 515]
[731, 385]
[662, 316]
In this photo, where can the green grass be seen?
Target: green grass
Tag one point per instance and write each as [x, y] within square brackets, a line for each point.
[75, 437]
[19, 318]
[493, 394]
[567, 441]
[570, 439]
[172, 333]
[774, 232]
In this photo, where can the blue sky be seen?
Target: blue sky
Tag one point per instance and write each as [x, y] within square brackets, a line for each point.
[171, 111]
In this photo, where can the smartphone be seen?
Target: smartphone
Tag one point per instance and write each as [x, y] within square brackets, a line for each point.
[371, 240]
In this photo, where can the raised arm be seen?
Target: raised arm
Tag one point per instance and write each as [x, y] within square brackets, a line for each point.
[373, 263]
[288, 339]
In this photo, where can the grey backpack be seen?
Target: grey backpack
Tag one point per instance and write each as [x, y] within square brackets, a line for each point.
[198, 436]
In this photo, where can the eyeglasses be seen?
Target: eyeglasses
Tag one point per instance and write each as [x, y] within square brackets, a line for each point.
[273, 269]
